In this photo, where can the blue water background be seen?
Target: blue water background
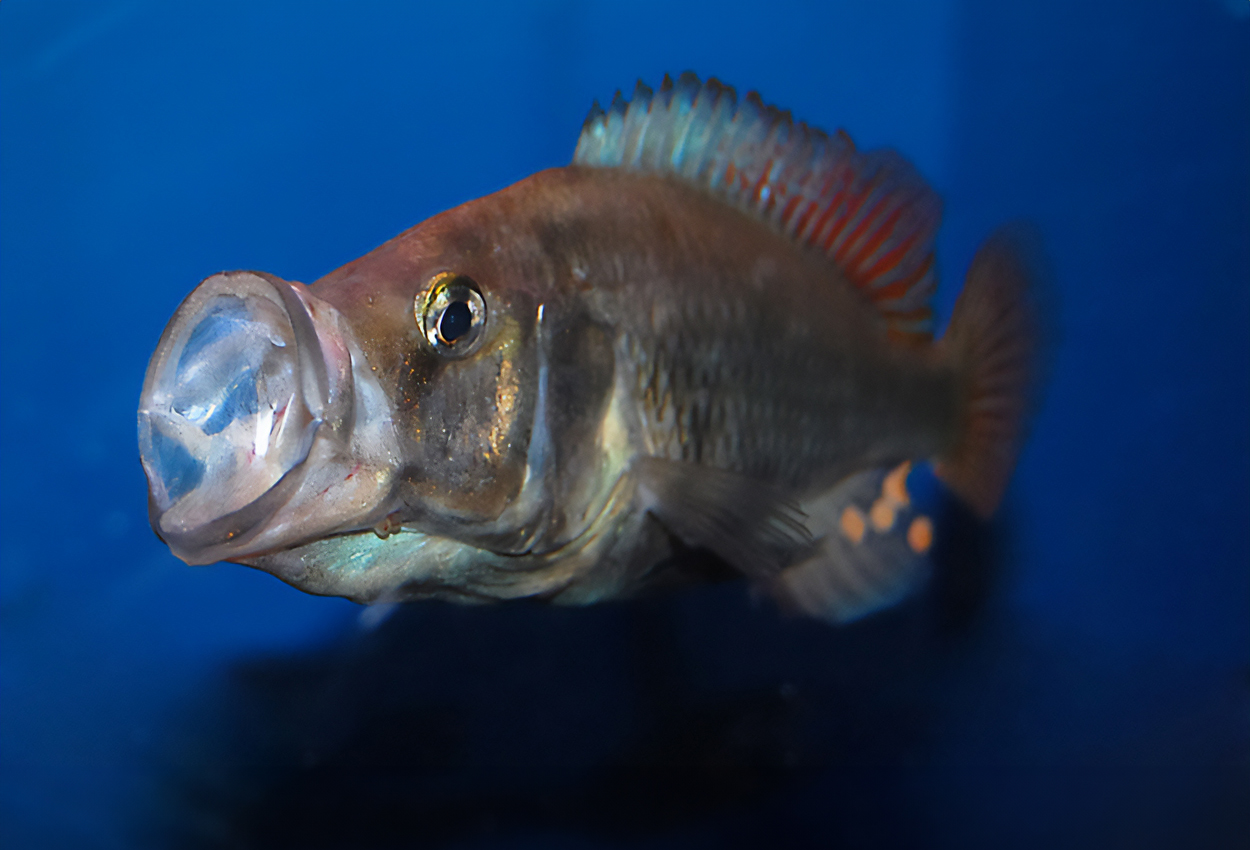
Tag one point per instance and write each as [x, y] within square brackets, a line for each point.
[1101, 688]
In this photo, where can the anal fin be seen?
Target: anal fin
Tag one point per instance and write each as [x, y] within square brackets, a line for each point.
[749, 524]
[869, 553]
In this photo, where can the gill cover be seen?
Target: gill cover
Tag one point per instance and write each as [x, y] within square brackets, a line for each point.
[257, 412]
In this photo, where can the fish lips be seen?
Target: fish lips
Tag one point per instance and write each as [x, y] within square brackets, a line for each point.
[250, 388]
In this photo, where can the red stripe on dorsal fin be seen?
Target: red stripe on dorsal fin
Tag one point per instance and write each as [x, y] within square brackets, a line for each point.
[869, 212]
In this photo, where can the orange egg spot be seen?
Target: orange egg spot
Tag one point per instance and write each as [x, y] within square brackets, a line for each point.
[920, 535]
[853, 525]
[882, 515]
[895, 486]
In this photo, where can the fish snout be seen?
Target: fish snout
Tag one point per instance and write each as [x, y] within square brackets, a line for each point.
[250, 372]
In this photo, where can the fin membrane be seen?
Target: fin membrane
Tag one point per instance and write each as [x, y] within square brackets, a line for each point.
[869, 212]
[748, 524]
[995, 338]
[870, 550]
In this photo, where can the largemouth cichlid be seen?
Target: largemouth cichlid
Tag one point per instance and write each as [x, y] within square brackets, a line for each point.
[712, 331]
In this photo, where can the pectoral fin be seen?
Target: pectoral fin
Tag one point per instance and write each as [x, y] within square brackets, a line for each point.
[750, 525]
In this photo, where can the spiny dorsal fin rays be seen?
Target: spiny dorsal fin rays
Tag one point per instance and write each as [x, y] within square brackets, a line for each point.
[869, 212]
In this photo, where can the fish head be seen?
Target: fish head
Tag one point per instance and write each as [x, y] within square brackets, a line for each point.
[449, 327]
[402, 392]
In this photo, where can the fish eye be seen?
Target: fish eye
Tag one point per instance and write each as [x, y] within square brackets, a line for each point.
[451, 314]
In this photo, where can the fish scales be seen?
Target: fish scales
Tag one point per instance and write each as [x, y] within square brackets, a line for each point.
[712, 330]
[830, 396]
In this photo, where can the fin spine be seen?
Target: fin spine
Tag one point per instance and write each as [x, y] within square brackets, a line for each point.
[869, 212]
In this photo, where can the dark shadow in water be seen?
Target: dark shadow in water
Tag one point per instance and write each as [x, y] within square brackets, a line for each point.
[696, 716]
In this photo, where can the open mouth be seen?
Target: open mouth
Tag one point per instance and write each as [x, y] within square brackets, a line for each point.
[235, 395]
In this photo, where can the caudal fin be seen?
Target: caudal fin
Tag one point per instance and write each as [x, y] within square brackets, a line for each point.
[995, 340]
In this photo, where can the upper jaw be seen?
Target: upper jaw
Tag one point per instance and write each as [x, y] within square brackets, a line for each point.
[261, 424]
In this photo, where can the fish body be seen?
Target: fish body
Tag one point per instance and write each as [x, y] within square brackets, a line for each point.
[709, 331]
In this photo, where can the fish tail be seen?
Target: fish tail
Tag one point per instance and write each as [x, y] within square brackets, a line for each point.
[995, 341]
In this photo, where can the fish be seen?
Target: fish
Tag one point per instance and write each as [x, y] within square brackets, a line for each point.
[712, 332]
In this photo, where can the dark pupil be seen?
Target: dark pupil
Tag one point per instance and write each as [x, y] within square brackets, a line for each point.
[455, 321]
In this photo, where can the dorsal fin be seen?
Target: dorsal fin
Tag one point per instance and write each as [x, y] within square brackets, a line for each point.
[869, 212]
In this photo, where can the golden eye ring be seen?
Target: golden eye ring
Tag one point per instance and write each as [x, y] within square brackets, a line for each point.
[451, 314]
